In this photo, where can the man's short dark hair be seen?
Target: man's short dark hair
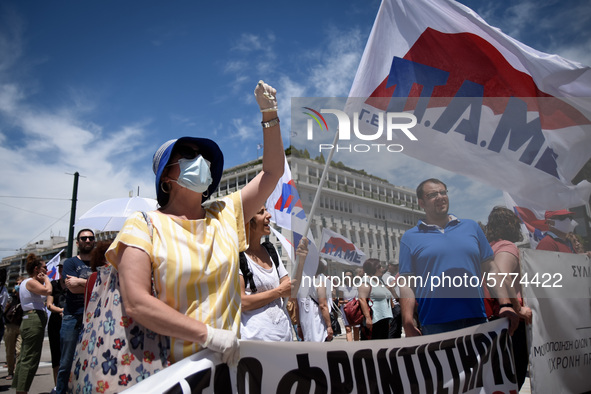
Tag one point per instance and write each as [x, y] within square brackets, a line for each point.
[420, 187]
[83, 230]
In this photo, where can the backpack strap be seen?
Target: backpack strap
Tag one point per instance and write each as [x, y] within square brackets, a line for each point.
[273, 253]
[247, 273]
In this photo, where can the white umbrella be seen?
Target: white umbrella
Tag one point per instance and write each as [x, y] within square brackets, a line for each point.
[110, 215]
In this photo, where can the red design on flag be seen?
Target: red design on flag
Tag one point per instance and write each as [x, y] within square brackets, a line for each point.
[487, 106]
[466, 56]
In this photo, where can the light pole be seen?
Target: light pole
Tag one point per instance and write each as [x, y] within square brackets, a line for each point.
[72, 216]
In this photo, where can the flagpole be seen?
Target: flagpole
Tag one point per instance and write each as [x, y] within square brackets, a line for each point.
[299, 268]
[321, 182]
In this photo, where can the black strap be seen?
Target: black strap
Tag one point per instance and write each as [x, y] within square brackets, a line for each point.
[247, 273]
[273, 253]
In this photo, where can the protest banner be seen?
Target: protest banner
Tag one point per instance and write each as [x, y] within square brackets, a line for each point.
[474, 360]
[336, 247]
[557, 287]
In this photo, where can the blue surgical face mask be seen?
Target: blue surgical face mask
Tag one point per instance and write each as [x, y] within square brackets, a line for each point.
[16, 287]
[195, 174]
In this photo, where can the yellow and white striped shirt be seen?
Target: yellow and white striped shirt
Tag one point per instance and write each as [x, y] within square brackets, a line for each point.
[195, 263]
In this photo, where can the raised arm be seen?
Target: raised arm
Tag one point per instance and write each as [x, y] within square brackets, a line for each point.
[256, 192]
[34, 286]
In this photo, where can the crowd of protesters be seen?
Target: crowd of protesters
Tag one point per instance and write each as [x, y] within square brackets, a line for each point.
[199, 275]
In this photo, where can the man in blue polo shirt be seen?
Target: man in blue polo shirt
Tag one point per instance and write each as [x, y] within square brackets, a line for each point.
[441, 259]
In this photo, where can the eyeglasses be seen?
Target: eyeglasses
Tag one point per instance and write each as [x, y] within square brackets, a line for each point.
[187, 152]
[433, 195]
[87, 239]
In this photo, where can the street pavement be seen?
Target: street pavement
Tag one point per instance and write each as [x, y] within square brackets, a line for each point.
[43, 382]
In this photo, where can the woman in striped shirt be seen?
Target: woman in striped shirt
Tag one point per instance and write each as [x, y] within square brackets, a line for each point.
[192, 250]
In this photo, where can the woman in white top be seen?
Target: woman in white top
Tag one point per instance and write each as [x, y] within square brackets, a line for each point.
[32, 292]
[376, 324]
[315, 307]
[264, 316]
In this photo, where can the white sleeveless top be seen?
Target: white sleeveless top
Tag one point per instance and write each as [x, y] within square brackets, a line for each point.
[29, 300]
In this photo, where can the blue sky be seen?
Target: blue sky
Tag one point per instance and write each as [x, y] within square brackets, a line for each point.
[97, 86]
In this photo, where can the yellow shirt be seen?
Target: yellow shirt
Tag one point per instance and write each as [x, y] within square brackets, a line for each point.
[195, 263]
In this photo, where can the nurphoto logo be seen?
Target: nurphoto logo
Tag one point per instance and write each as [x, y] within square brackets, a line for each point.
[379, 123]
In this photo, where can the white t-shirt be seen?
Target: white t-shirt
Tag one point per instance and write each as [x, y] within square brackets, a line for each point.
[270, 322]
[30, 300]
[348, 292]
[312, 322]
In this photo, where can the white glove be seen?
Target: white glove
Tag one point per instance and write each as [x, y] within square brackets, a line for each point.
[265, 96]
[224, 342]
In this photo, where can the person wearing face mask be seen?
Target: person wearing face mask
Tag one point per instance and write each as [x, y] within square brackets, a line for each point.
[560, 223]
[190, 250]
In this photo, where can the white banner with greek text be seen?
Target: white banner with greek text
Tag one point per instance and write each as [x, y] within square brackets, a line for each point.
[557, 287]
[473, 360]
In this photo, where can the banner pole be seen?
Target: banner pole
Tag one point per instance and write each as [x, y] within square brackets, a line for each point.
[299, 265]
[321, 183]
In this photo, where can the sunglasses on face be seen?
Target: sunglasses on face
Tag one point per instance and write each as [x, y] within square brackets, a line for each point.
[86, 239]
[187, 152]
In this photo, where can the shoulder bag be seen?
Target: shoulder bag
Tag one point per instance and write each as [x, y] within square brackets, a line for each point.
[114, 351]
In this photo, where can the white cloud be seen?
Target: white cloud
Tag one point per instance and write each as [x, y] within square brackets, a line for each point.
[336, 63]
[243, 132]
[42, 148]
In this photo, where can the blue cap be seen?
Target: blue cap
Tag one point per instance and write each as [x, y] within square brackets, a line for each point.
[207, 148]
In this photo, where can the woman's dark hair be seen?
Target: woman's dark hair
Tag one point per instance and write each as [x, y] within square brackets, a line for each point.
[97, 256]
[371, 266]
[503, 224]
[33, 261]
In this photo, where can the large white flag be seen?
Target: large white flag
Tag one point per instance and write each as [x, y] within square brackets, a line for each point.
[487, 106]
[336, 247]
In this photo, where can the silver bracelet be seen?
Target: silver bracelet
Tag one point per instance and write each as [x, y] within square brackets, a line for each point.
[271, 123]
